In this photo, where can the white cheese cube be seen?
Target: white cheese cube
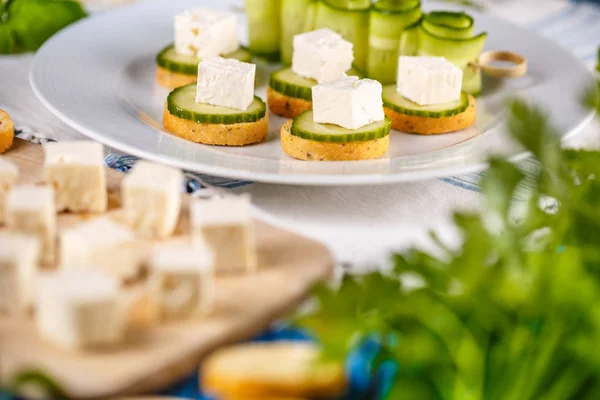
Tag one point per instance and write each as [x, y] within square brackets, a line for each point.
[30, 210]
[103, 244]
[348, 102]
[203, 32]
[79, 308]
[18, 264]
[321, 55]
[182, 280]
[8, 177]
[76, 171]
[151, 196]
[225, 225]
[225, 83]
[429, 80]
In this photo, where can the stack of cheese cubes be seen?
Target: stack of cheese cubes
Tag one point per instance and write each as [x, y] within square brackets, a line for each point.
[78, 299]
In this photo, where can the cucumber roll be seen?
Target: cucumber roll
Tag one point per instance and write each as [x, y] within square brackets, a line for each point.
[292, 21]
[451, 35]
[350, 18]
[263, 28]
[388, 19]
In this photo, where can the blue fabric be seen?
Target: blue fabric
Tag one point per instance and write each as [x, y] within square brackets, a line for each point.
[364, 384]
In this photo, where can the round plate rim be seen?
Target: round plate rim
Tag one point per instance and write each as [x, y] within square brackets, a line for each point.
[274, 178]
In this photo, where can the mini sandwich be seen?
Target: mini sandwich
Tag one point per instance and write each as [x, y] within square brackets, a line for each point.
[347, 123]
[427, 97]
[221, 109]
[199, 33]
[319, 56]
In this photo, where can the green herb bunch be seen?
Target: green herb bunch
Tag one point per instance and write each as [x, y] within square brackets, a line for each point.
[26, 24]
[514, 313]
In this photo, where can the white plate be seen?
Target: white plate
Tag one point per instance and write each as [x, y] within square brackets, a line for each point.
[98, 76]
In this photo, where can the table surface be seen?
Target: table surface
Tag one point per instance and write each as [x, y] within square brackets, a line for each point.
[362, 225]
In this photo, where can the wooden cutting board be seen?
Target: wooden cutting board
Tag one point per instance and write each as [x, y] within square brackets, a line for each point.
[159, 354]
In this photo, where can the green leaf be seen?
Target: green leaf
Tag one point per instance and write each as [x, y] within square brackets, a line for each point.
[34, 21]
[37, 379]
[7, 39]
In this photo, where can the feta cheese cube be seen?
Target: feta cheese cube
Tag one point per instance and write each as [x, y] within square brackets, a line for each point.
[79, 308]
[18, 265]
[182, 280]
[225, 83]
[103, 244]
[225, 225]
[322, 55]
[203, 32]
[8, 177]
[76, 171]
[429, 80]
[30, 210]
[151, 196]
[348, 102]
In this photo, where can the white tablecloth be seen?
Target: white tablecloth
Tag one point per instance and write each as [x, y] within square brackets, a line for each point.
[360, 224]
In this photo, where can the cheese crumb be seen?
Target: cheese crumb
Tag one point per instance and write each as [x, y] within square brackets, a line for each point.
[8, 177]
[348, 102]
[152, 198]
[225, 225]
[79, 308]
[203, 32]
[322, 55]
[76, 171]
[225, 83]
[103, 244]
[182, 280]
[18, 266]
[30, 210]
[429, 80]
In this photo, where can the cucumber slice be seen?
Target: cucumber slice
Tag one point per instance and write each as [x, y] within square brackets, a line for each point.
[394, 100]
[263, 28]
[292, 20]
[311, 16]
[304, 127]
[409, 40]
[450, 35]
[291, 84]
[387, 20]
[169, 59]
[182, 103]
[349, 18]
[451, 25]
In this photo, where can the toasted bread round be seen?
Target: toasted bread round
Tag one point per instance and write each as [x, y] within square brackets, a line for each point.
[7, 132]
[272, 370]
[217, 134]
[433, 126]
[286, 106]
[172, 79]
[305, 149]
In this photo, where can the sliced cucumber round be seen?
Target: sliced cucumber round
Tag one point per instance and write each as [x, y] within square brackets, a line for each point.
[305, 127]
[394, 100]
[182, 103]
[169, 59]
[291, 84]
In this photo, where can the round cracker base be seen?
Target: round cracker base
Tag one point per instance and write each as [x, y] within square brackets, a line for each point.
[217, 134]
[304, 149]
[271, 370]
[286, 106]
[433, 126]
[173, 80]
[7, 132]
